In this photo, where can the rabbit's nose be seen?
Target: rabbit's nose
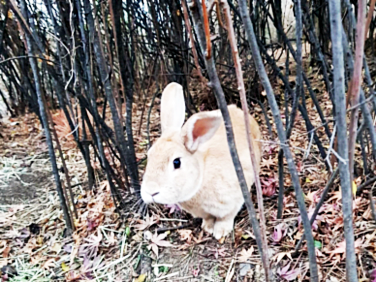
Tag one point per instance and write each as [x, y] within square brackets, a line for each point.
[155, 194]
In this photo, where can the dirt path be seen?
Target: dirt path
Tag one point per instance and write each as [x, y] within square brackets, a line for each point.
[25, 170]
[24, 187]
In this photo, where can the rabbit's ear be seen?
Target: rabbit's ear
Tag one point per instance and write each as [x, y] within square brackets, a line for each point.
[200, 128]
[172, 107]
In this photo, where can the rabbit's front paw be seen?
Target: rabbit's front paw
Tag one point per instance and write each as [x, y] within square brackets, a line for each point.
[208, 224]
[222, 228]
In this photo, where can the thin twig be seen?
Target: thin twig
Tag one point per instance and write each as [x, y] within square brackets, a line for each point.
[26, 57]
[251, 37]
[365, 184]
[207, 30]
[241, 89]
[220, 97]
[369, 17]
[191, 39]
[164, 229]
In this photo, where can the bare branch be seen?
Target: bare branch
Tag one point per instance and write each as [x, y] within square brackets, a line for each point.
[340, 110]
[356, 81]
[251, 37]
[241, 89]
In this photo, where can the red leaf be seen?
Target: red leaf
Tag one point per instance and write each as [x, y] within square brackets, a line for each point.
[268, 187]
[287, 274]
[278, 233]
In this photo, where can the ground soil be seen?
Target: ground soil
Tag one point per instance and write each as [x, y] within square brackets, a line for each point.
[26, 188]
[113, 245]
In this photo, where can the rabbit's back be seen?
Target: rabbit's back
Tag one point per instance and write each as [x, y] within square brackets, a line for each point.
[220, 193]
[218, 146]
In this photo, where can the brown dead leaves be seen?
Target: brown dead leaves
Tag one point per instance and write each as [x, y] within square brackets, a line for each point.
[144, 224]
[245, 254]
[185, 235]
[340, 251]
[156, 241]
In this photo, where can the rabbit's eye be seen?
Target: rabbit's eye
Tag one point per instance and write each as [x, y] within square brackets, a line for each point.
[177, 163]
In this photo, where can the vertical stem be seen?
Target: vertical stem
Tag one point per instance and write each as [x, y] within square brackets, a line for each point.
[251, 143]
[65, 168]
[126, 74]
[251, 37]
[6, 104]
[369, 17]
[105, 77]
[90, 90]
[299, 34]
[363, 106]
[319, 204]
[207, 30]
[340, 101]
[281, 185]
[44, 119]
[191, 39]
[355, 82]
[222, 105]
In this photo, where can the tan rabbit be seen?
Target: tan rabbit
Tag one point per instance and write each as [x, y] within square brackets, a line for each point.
[191, 165]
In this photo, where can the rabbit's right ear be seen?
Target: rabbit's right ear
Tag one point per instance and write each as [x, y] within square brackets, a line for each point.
[199, 128]
[172, 107]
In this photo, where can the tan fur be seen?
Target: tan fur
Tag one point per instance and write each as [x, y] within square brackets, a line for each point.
[206, 184]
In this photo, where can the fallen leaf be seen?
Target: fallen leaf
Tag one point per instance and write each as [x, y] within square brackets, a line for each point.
[56, 248]
[91, 247]
[111, 238]
[318, 218]
[143, 224]
[269, 162]
[6, 252]
[64, 267]
[185, 234]
[279, 256]
[373, 275]
[3, 263]
[195, 271]
[287, 274]
[157, 240]
[245, 254]
[50, 263]
[268, 186]
[341, 248]
[279, 233]
[311, 196]
[141, 278]
[337, 195]
[218, 252]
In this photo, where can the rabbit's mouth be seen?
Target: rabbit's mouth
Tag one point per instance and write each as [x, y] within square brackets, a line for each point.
[146, 197]
[157, 197]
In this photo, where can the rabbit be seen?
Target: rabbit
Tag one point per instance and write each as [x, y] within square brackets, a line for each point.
[191, 165]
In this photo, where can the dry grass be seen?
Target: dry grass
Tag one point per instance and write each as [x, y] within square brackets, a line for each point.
[106, 248]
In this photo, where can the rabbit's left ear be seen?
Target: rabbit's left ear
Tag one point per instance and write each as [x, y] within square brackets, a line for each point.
[200, 128]
[172, 107]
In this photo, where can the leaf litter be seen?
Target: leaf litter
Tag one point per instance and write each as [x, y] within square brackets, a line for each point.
[123, 247]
